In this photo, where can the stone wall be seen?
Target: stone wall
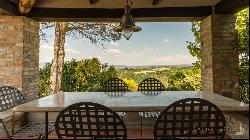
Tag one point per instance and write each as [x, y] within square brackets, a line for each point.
[220, 62]
[4, 12]
[19, 54]
[237, 125]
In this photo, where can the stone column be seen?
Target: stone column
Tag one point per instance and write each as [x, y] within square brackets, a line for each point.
[19, 54]
[220, 62]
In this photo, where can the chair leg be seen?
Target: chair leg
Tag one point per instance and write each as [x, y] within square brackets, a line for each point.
[5, 128]
[141, 126]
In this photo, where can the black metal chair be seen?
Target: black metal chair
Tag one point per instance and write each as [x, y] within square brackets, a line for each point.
[150, 87]
[115, 87]
[9, 98]
[151, 84]
[190, 118]
[114, 94]
[89, 120]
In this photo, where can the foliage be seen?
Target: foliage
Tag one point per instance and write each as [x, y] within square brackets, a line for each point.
[44, 81]
[185, 80]
[132, 85]
[242, 47]
[192, 78]
[90, 74]
[139, 74]
[96, 32]
[68, 79]
[83, 75]
[195, 47]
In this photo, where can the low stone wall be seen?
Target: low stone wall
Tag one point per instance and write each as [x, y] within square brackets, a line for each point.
[237, 125]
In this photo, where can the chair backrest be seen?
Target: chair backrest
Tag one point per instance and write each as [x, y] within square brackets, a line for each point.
[10, 97]
[89, 120]
[151, 84]
[115, 94]
[190, 117]
[115, 85]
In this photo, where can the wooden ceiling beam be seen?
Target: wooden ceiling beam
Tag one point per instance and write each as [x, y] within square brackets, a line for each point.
[25, 6]
[93, 1]
[202, 11]
[9, 6]
[230, 6]
[155, 2]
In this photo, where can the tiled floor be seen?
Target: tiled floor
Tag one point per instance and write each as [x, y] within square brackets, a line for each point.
[132, 134]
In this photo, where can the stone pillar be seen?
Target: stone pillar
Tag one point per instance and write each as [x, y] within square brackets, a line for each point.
[220, 62]
[19, 54]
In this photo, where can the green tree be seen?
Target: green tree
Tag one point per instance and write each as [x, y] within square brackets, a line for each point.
[132, 85]
[185, 80]
[242, 47]
[83, 75]
[44, 81]
[195, 47]
[96, 33]
[68, 81]
[87, 73]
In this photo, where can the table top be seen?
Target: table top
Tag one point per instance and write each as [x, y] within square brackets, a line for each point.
[129, 101]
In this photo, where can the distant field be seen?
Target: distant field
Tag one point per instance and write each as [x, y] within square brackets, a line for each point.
[140, 73]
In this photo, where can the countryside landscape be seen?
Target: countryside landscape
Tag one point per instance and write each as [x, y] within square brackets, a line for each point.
[89, 74]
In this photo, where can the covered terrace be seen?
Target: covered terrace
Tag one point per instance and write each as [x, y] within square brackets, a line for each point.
[19, 36]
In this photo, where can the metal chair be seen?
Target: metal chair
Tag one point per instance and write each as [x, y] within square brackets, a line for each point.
[151, 84]
[89, 120]
[150, 87]
[190, 118]
[9, 98]
[114, 85]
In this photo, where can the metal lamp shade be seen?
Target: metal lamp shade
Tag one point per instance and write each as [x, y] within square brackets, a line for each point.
[127, 26]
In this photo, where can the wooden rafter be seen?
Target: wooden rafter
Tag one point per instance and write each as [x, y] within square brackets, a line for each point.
[25, 6]
[146, 14]
[9, 6]
[117, 13]
[231, 6]
[93, 1]
[155, 2]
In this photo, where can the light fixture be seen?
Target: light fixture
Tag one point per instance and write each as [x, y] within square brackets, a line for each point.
[127, 26]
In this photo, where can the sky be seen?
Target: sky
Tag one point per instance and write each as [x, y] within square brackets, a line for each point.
[157, 44]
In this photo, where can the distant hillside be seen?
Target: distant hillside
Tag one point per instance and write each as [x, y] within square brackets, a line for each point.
[148, 66]
[41, 65]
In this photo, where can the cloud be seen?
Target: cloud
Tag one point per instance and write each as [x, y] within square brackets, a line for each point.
[45, 53]
[128, 42]
[71, 51]
[174, 59]
[114, 52]
[147, 49]
[114, 43]
[166, 40]
[46, 46]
